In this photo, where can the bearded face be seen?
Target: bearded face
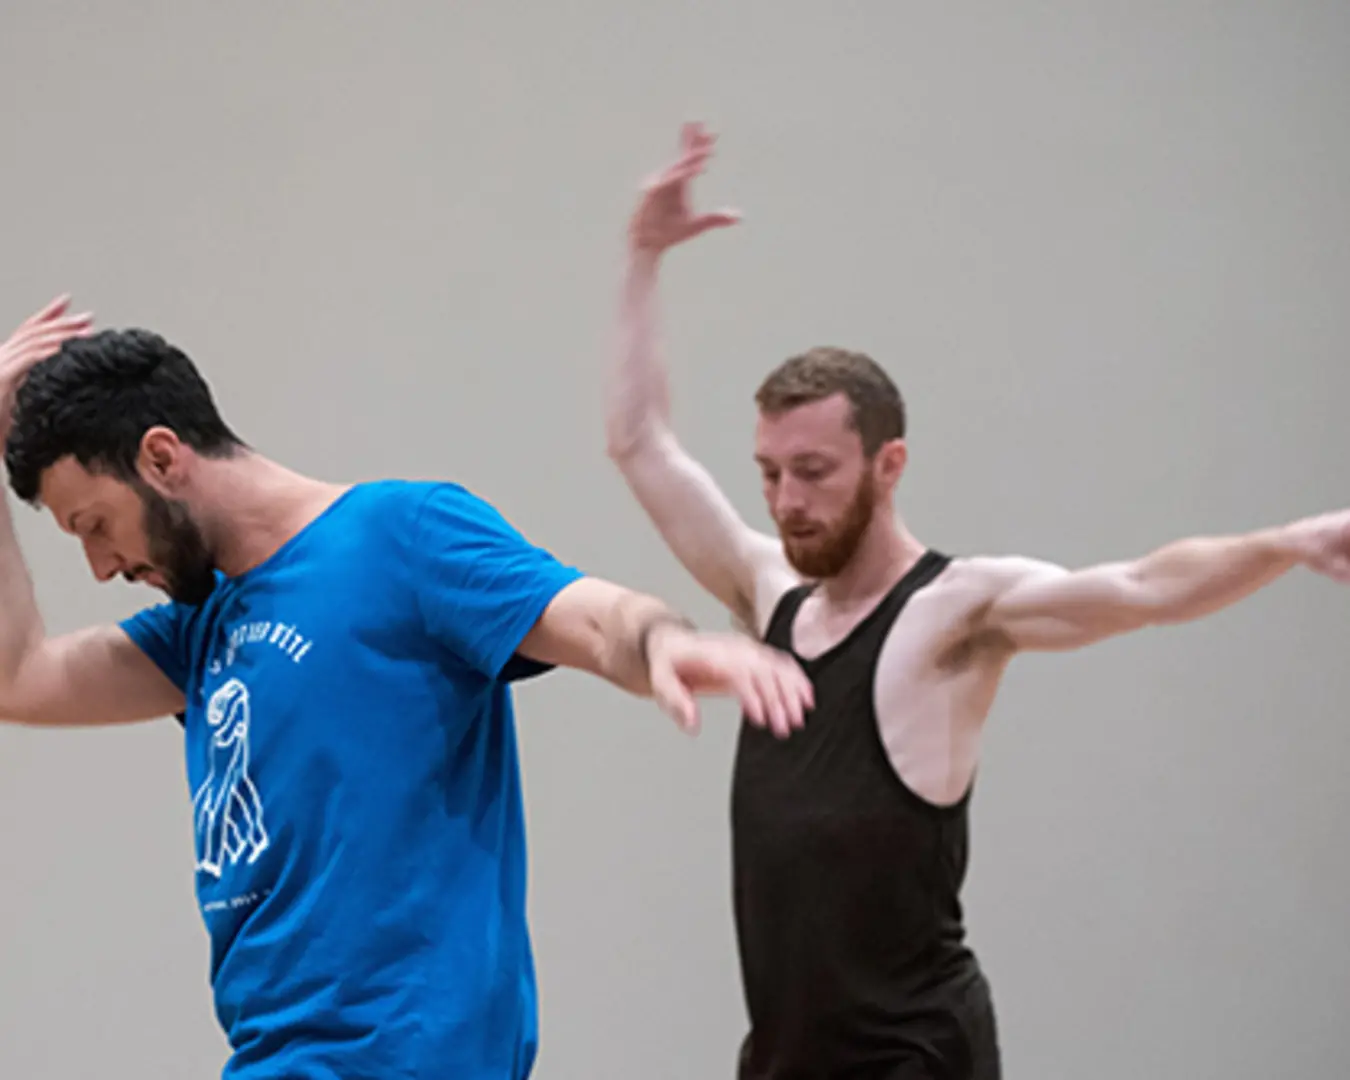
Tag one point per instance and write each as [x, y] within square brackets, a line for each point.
[821, 488]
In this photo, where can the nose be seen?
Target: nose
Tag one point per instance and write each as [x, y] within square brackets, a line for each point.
[102, 562]
[788, 498]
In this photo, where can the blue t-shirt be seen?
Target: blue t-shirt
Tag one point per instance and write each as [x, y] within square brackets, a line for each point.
[352, 763]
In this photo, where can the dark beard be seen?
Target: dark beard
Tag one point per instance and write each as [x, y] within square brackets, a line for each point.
[178, 549]
[827, 557]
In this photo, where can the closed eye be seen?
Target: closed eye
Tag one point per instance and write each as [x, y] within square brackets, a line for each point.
[812, 469]
[768, 472]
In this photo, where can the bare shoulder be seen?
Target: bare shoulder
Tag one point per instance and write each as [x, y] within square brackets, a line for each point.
[938, 615]
[991, 575]
[955, 603]
[772, 577]
[969, 581]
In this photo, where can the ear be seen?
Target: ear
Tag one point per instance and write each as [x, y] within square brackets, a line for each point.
[162, 459]
[891, 460]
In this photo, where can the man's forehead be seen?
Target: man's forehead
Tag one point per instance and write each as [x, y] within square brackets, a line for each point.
[826, 424]
[66, 487]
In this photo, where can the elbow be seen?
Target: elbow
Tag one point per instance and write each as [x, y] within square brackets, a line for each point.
[622, 439]
[628, 444]
[619, 446]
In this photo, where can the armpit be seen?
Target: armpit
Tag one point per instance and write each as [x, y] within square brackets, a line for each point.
[976, 585]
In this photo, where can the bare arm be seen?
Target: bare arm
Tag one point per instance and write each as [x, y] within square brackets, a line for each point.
[742, 568]
[95, 676]
[639, 644]
[90, 677]
[1042, 607]
[601, 628]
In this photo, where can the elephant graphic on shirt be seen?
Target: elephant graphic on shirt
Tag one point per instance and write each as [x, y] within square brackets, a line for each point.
[227, 810]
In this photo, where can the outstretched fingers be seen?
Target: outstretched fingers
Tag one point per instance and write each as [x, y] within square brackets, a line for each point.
[675, 699]
[696, 147]
[40, 340]
[679, 173]
[55, 307]
[775, 693]
[60, 329]
[716, 219]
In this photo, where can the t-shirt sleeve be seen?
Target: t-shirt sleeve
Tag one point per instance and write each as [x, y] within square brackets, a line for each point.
[162, 633]
[480, 584]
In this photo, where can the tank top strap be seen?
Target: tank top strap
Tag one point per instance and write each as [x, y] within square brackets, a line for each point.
[929, 565]
[779, 630]
[860, 647]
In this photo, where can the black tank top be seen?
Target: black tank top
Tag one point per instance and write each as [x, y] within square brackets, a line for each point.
[847, 883]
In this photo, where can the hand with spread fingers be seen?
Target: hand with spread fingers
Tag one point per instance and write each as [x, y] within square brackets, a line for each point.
[36, 338]
[773, 690]
[664, 216]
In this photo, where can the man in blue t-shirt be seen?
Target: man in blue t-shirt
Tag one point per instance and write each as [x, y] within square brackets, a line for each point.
[341, 659]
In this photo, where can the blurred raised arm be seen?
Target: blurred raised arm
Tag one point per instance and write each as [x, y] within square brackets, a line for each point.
[743, 568]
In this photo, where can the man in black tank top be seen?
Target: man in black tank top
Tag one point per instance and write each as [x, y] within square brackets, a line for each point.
[847, 885]
[850, 837]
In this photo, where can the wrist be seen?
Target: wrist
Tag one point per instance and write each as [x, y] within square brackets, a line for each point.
[658, 631]
[1287, 542]
[643, 259]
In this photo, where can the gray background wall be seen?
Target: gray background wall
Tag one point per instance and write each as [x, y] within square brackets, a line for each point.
[1102, 247]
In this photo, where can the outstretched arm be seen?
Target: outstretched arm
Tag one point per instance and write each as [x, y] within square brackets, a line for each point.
[493, 599]
[639, 644]
[742, 568]
[1036, 606]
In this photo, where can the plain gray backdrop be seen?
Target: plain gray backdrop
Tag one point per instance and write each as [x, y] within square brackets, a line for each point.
[1104, 250]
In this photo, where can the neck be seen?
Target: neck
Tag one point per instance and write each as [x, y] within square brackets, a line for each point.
[250, 506]
[887, 552]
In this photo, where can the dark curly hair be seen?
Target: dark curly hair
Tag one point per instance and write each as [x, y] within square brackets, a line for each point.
[95, 399]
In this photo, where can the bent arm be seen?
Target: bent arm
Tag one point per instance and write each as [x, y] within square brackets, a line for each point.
[1043, 607]
[744, 569]
[87, 678]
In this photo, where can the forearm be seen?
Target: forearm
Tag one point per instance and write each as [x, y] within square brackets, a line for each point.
[638, 404]
[21, 629]
[631, 625]
[597, 626]
[1191, 578]
[683, 501]
[1042, 606]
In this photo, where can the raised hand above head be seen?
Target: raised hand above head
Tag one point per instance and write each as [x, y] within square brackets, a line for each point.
[664, 216]
[36, 338]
